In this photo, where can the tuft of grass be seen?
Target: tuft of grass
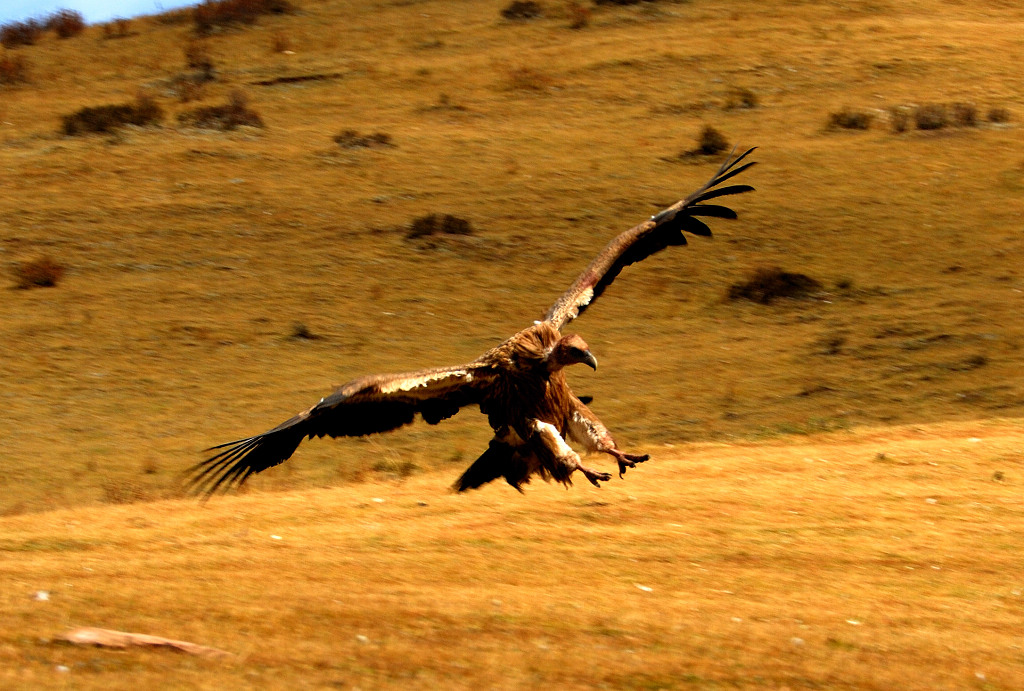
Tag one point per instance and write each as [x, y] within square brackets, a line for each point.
[435, 224]
[235, 113]
[117, 28]
[24, 33]
[99, 119]
[931, 116]
[525, 78]
[579, 15]
[740, 98]
[850, 119]
[280, 42]
[66, 23]
[522, 9]
[301, 332]
[899, 119]
[963, 114]
[212, 14]
[43, 272]
[766, 284]
[350, 139]
[998, 115]
[14, 69]
[710, 142]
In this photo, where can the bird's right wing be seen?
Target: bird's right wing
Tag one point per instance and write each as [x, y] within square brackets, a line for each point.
[653, 235]
[363, 406]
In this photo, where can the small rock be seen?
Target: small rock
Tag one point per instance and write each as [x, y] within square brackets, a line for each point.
[41, 595]
[362, 639]
[796, 641]
[644, 588]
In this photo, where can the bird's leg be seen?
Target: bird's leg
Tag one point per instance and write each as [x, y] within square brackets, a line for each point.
[563, 455]
[589, 431]
[627, 460]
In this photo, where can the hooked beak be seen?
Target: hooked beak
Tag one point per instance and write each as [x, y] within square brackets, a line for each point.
[590, 361]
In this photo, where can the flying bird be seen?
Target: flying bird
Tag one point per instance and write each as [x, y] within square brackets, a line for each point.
[519, 385]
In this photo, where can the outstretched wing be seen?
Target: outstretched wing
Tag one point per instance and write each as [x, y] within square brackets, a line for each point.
[653, 235]
[363, 406]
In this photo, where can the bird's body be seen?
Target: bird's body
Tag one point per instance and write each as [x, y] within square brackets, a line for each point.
[519, 385]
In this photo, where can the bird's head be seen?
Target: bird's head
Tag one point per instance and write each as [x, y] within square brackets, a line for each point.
[570, 350]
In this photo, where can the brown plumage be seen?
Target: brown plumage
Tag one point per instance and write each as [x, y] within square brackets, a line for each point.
[520, 384]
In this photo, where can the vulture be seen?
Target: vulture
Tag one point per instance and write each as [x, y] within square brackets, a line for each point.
[519, 384]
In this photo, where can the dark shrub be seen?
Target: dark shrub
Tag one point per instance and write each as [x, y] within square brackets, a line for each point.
[931, 116]
[218, 13]
[764, 285]
[849, 119]
[998, 115]
[434, 224]
[197, 57]
[26, 33]
[235, 113]
[964, 114]
[899, 119]
[66, 23]
[13, 70]
[710, 142]
[522, 9]
[579, 15]
[145, 111]
[40, 273]
[117, 28]
[740, 98]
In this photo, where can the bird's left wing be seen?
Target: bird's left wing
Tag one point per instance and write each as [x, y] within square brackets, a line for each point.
[653, 235]
[363, 406]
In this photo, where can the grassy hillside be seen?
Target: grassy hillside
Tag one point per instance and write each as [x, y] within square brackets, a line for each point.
[192, 256]
[879, 559]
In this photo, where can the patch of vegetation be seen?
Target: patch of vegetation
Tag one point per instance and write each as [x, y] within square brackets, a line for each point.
[740, 98]
[214, 14]
[14, 69]
[931, 116]
[710, 142]
[118, 28]
[964, 114]
[579, 15]
[235, 113]
[197, 57]
[350, 139]
[525, 78]
[25, 33]
[66, 23]
[998, 115]
[280, 42]
[850, 119]
[126, 492]
[434, 224]
[522, 9]
[301, 332]
[765, 285]
[38, 273]
[97, 119]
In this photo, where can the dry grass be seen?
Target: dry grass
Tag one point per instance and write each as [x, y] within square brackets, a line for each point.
[195, 252]
[890, 558]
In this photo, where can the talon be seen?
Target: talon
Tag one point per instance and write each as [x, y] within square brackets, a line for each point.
[629, 460]
[595, 476]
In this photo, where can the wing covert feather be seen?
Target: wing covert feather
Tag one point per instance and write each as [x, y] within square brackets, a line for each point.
[662, 230]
